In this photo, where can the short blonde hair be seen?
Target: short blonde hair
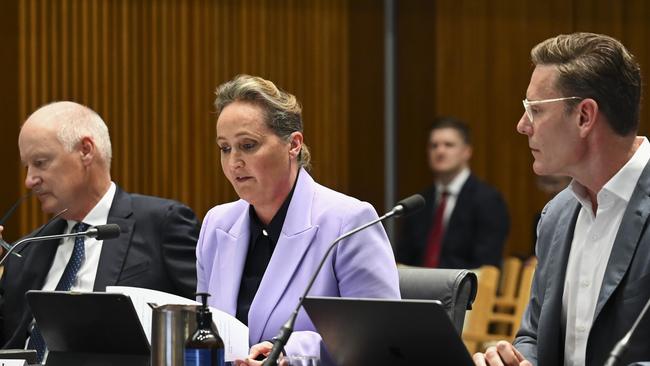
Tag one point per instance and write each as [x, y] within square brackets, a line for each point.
[282, 110]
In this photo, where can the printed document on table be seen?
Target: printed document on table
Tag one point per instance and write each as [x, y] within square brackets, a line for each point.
[233, 332]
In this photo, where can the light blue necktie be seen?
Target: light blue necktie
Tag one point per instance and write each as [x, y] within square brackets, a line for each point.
[68, 278]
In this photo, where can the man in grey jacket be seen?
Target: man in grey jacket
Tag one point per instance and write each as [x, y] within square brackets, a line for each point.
[581, 118]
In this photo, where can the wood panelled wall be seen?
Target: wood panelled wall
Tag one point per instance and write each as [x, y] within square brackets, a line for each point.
[471, 59]
[150, 67]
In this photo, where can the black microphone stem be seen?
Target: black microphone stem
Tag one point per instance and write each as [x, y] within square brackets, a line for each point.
[623, 344]
[11, 210]
[287, 328]
[8, 214]
[92, 232]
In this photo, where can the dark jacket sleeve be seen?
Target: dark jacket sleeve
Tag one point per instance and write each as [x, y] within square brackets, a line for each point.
[492, 227]
[180, 231]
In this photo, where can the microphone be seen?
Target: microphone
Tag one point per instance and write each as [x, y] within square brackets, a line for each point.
[623, 344]
[99, 232]
[402, 208]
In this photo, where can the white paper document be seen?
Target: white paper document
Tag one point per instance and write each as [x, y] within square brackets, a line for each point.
[13, 363]
[233, 332]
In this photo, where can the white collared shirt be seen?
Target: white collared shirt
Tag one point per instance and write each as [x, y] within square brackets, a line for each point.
[453, 189]
[592, 243]
[88, 270]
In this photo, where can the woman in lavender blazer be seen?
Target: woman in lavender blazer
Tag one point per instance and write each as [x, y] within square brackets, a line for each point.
[256, 255]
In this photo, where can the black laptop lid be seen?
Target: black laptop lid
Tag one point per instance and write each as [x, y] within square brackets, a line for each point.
[382, 332]
[90, 322]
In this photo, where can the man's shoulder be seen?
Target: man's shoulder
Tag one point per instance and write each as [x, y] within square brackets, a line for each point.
[477, 194]
[562, 208]
[142, 202]
[559, 204]
[142, 207]
[479, 187]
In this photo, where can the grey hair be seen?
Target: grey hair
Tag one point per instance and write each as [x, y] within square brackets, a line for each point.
[76, 121]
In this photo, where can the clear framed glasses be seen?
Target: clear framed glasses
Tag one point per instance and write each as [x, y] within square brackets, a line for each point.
[528, 103]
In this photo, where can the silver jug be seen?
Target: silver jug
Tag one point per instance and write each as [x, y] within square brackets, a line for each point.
[171, 326]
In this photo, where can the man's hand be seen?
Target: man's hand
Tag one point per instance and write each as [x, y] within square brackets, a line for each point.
[504, 354]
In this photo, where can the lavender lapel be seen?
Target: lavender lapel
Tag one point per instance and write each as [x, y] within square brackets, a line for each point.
[296, 237]
[231, 258]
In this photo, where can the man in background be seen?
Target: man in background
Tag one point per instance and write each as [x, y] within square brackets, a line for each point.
[66, 150]
[465, 222]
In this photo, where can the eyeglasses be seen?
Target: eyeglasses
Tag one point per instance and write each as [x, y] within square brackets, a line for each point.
[529, 103]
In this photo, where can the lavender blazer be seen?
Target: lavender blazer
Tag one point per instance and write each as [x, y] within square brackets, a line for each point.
[360, 266]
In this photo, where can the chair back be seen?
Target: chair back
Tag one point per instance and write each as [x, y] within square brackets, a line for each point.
[454, 288]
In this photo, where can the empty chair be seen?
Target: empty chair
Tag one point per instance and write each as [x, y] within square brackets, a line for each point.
[494, 317]
[454, 288]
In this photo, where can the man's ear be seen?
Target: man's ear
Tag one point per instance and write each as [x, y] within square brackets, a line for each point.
[87, 149]
[587, 116]
[295, 139]
[468, 153]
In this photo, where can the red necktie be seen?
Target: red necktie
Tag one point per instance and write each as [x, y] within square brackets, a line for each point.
[434, 244]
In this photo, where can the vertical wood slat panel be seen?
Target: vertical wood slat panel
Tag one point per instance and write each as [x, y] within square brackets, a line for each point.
[489, 98]
[149, 68]
[11, 55]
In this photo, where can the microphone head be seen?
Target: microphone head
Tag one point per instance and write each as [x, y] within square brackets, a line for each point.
[108, 231]
[409, 205]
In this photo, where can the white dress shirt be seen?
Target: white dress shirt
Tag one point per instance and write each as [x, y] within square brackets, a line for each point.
[453, 190]
[88, 270]
[592, 243]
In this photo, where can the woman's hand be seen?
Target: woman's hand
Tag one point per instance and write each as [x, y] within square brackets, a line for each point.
[261, 349]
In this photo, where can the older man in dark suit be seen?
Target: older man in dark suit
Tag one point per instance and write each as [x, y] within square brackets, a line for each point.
[67, 152]
[581, 119]
[465, 221]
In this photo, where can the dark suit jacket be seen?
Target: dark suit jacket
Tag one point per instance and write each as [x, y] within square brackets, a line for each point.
[624, 291]
[156, 250]
[474, 236]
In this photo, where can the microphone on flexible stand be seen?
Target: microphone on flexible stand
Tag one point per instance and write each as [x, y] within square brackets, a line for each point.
[623, 344]
[100, 232]
[403, 207]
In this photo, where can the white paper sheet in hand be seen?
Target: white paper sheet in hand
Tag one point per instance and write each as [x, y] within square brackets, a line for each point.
[233, 332]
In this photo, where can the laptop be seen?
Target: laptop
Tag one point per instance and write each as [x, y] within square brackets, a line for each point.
[382, 332]
[81, 328]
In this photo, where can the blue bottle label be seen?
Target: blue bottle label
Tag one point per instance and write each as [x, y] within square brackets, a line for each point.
[204, 357]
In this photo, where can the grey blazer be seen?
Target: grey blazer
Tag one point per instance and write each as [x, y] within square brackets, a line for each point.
[624, 291]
